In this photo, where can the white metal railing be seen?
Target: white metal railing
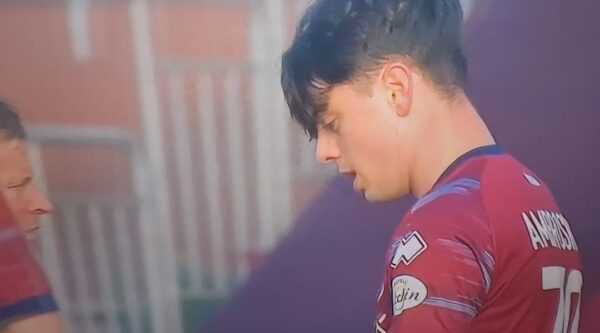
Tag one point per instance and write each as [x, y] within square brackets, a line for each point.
[164, 291]
[225, 193]
[231, 130]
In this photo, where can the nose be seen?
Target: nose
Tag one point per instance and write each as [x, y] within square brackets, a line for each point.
[39, 204]
[327, 150]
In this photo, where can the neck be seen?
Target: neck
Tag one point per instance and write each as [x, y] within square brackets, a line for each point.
[454, 128]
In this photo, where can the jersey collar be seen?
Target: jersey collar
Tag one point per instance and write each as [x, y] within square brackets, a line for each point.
[477, 152]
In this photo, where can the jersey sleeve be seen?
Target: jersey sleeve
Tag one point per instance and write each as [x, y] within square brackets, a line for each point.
[24, 289]
[439, 271]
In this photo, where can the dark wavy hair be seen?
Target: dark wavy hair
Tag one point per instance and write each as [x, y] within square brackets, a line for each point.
[339, 41]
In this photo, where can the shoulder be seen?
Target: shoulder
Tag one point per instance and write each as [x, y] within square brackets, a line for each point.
[454, 207]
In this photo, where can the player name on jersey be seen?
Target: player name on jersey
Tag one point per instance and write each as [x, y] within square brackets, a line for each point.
[549, 229]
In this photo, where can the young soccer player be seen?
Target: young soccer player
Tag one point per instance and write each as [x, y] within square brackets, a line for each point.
[379, 84]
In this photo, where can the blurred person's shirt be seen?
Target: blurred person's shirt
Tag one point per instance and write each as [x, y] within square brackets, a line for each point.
[24, 289]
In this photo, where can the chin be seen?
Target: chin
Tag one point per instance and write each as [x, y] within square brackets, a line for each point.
[375, 196]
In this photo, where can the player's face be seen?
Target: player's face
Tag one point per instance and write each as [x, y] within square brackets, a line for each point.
[24, 199]
[362, 134]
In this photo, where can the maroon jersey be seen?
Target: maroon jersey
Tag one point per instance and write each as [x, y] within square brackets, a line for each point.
[24, 290]
[486, 250]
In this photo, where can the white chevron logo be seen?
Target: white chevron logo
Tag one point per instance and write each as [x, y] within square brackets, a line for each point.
[408, 248]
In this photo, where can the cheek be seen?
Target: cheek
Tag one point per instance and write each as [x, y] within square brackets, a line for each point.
[367, 153]
[14, 199]
[380, 162]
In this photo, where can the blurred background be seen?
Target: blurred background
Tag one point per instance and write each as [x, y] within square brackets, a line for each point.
[187, 201]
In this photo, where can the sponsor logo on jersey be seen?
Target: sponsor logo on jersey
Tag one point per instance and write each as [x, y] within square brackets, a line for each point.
[407, 292]
[408, 248]
[549, 229]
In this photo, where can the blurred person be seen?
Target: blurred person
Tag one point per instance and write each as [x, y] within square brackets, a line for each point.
[25, 200]
[26, 302]
[379, 84]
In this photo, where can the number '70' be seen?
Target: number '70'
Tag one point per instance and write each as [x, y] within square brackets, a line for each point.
[553, 277]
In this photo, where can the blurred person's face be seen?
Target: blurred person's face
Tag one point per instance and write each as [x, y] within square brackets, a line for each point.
[368, 130]
[23, 198]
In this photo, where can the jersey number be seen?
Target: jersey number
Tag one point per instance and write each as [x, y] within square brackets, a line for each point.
[553, 277]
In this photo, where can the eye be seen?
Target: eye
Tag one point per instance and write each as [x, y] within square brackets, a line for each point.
[331, 125]
[20, 183]
[15, 185]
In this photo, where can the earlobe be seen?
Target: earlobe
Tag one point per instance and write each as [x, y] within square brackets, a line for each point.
[399, 103]
[398, 81]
